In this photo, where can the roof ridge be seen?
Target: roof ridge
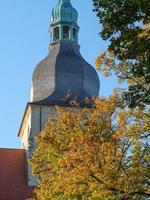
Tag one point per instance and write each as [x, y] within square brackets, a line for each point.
[12, 149]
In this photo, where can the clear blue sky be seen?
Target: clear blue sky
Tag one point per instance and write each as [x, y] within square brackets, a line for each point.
[24, 41]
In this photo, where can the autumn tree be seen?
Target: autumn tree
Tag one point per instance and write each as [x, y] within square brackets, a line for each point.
[126, 25]
[100, 153]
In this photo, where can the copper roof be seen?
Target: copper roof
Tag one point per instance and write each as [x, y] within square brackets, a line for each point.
[13, 175]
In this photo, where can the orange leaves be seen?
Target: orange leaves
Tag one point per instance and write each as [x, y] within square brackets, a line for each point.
[94, 153]
[105, 62]
[99, 60]
[145, 34]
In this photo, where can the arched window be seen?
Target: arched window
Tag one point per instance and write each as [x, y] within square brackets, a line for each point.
[74, 34]
[56, 34]
[65, 32]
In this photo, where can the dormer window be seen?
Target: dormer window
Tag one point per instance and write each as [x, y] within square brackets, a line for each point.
[56, 34]
[66, 32]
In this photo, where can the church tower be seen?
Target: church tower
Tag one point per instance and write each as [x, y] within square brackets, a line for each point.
[60, 77]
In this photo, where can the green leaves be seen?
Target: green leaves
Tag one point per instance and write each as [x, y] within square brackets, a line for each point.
[126, 26]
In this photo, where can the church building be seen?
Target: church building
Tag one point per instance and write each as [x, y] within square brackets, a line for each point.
[62, 76]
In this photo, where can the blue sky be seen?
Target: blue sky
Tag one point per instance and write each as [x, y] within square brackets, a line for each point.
[24, 41]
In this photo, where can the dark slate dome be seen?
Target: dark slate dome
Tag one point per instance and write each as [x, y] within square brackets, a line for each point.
[63, 73]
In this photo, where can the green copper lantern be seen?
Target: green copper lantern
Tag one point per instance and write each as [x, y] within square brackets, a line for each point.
[64, 22]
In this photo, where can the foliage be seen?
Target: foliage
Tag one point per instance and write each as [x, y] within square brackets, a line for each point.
[126, 25]
[100, 153]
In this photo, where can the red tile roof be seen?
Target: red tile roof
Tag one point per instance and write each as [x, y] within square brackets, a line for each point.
[13, 175]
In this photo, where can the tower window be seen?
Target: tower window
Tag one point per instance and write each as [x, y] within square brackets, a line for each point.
[65, 32]
[74, 34]
[56, 34]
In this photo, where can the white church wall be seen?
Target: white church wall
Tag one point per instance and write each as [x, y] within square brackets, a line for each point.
[25, 129]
